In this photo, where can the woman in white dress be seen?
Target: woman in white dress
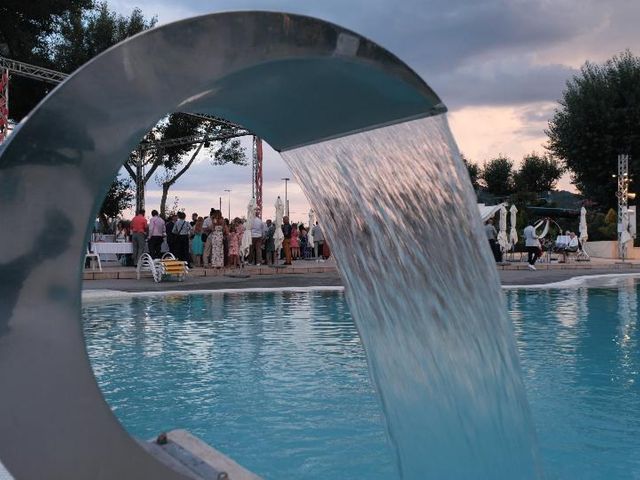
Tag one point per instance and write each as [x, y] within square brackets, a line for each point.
[217, 235]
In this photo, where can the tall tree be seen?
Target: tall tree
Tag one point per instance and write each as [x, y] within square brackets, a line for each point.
[599, 118]
[498, 176]
[170, 161]
[537, 173]
[26, 28]
[119, 198]
[226, 151]
[80, 35]
[474, 171]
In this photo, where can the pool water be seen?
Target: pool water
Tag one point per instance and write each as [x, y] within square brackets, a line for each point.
[279, 382]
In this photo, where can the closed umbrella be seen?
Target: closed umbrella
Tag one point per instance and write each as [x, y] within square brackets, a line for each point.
[278, 236]
[312, 222]
[583, 227]
[245, 245]
[503, 241]
[625, 236]
[513, 234]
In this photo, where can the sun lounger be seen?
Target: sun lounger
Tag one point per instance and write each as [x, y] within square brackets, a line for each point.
[162, 268]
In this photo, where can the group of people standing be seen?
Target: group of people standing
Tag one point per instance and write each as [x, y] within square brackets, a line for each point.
[533, 247]
[295, 243]
[214, 241]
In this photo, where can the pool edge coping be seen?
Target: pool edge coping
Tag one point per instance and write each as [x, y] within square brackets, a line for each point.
[89, 295]
[99, 294]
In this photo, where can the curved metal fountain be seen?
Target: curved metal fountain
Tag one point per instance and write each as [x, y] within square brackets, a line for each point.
[293, 80]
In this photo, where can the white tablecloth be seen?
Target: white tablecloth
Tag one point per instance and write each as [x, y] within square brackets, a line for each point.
[111, 247]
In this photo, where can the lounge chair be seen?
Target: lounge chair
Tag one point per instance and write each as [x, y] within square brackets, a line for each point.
[162, 268]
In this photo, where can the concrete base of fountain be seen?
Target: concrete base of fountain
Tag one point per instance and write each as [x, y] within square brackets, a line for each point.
[190, 456]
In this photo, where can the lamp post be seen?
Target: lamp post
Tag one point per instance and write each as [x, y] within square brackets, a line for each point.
[229, 204]
[286, 201]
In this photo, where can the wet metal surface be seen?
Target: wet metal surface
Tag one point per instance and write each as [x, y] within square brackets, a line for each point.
[292, 80]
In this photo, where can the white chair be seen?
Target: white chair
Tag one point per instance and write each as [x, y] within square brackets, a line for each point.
[93, 257]
[160, 268]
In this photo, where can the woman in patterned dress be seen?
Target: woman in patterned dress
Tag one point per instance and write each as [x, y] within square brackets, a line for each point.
[217, 250]
[234, 245]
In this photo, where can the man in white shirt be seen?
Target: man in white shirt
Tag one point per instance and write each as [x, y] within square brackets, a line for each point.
[318, 240]
[257, 234]
[532, 245]
[157, 231]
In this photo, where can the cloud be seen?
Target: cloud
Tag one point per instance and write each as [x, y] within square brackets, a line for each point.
[473, 52]
[503, 82]
[499, 65]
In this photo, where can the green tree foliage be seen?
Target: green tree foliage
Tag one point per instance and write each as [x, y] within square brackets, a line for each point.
[537, 174]
[599, 118]
[498, 176]
[81, 34]
[25, 31]
[175, 161]
[474, 172]
[169, 164]
[119, 198]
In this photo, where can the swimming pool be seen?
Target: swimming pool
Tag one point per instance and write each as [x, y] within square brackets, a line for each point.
[278, 381]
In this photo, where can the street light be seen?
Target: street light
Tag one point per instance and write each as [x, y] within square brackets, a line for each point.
[229, 211]
[286, 201]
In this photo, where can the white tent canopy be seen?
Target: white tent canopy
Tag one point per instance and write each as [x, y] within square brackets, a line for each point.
[245, 245]
[584, 236]
[625, 236]
[488, 211]
[278, 236]
[312, 222]
[513, 234]
[503, 240]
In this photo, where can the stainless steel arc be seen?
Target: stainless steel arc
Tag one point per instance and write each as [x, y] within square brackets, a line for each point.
[292, 80]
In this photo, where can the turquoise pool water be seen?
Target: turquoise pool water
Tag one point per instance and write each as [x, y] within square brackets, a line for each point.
[278, 381]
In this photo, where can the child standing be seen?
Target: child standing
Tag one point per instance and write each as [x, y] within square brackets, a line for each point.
[295, 245]
[234, 245]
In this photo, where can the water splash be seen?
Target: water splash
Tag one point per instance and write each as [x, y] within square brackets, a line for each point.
[397, 207]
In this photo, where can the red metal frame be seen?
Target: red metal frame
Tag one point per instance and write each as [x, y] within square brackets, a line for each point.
[4, 104]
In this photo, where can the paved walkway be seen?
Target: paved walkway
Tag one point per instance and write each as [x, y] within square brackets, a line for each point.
[308, 274]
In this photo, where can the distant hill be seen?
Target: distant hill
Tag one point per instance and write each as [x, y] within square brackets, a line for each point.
[554, 198]
[564, 199]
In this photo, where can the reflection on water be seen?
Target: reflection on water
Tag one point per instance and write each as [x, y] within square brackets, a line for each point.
[424, 293]
[580, 356]
[279, 381]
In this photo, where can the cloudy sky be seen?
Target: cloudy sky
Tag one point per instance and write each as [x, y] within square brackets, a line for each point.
[499, 65]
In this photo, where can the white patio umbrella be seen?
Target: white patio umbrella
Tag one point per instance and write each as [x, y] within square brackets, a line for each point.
[245, 245]
[278, 236]
[312, 222]
[503, 241]
[583, 227]
[625, 236]
[513, 234]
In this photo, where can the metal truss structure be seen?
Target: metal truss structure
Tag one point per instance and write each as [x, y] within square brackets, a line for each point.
[10, 67]
[230, 130]
[256, 165]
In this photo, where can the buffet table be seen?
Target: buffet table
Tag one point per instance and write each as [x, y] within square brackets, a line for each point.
[111, 247]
